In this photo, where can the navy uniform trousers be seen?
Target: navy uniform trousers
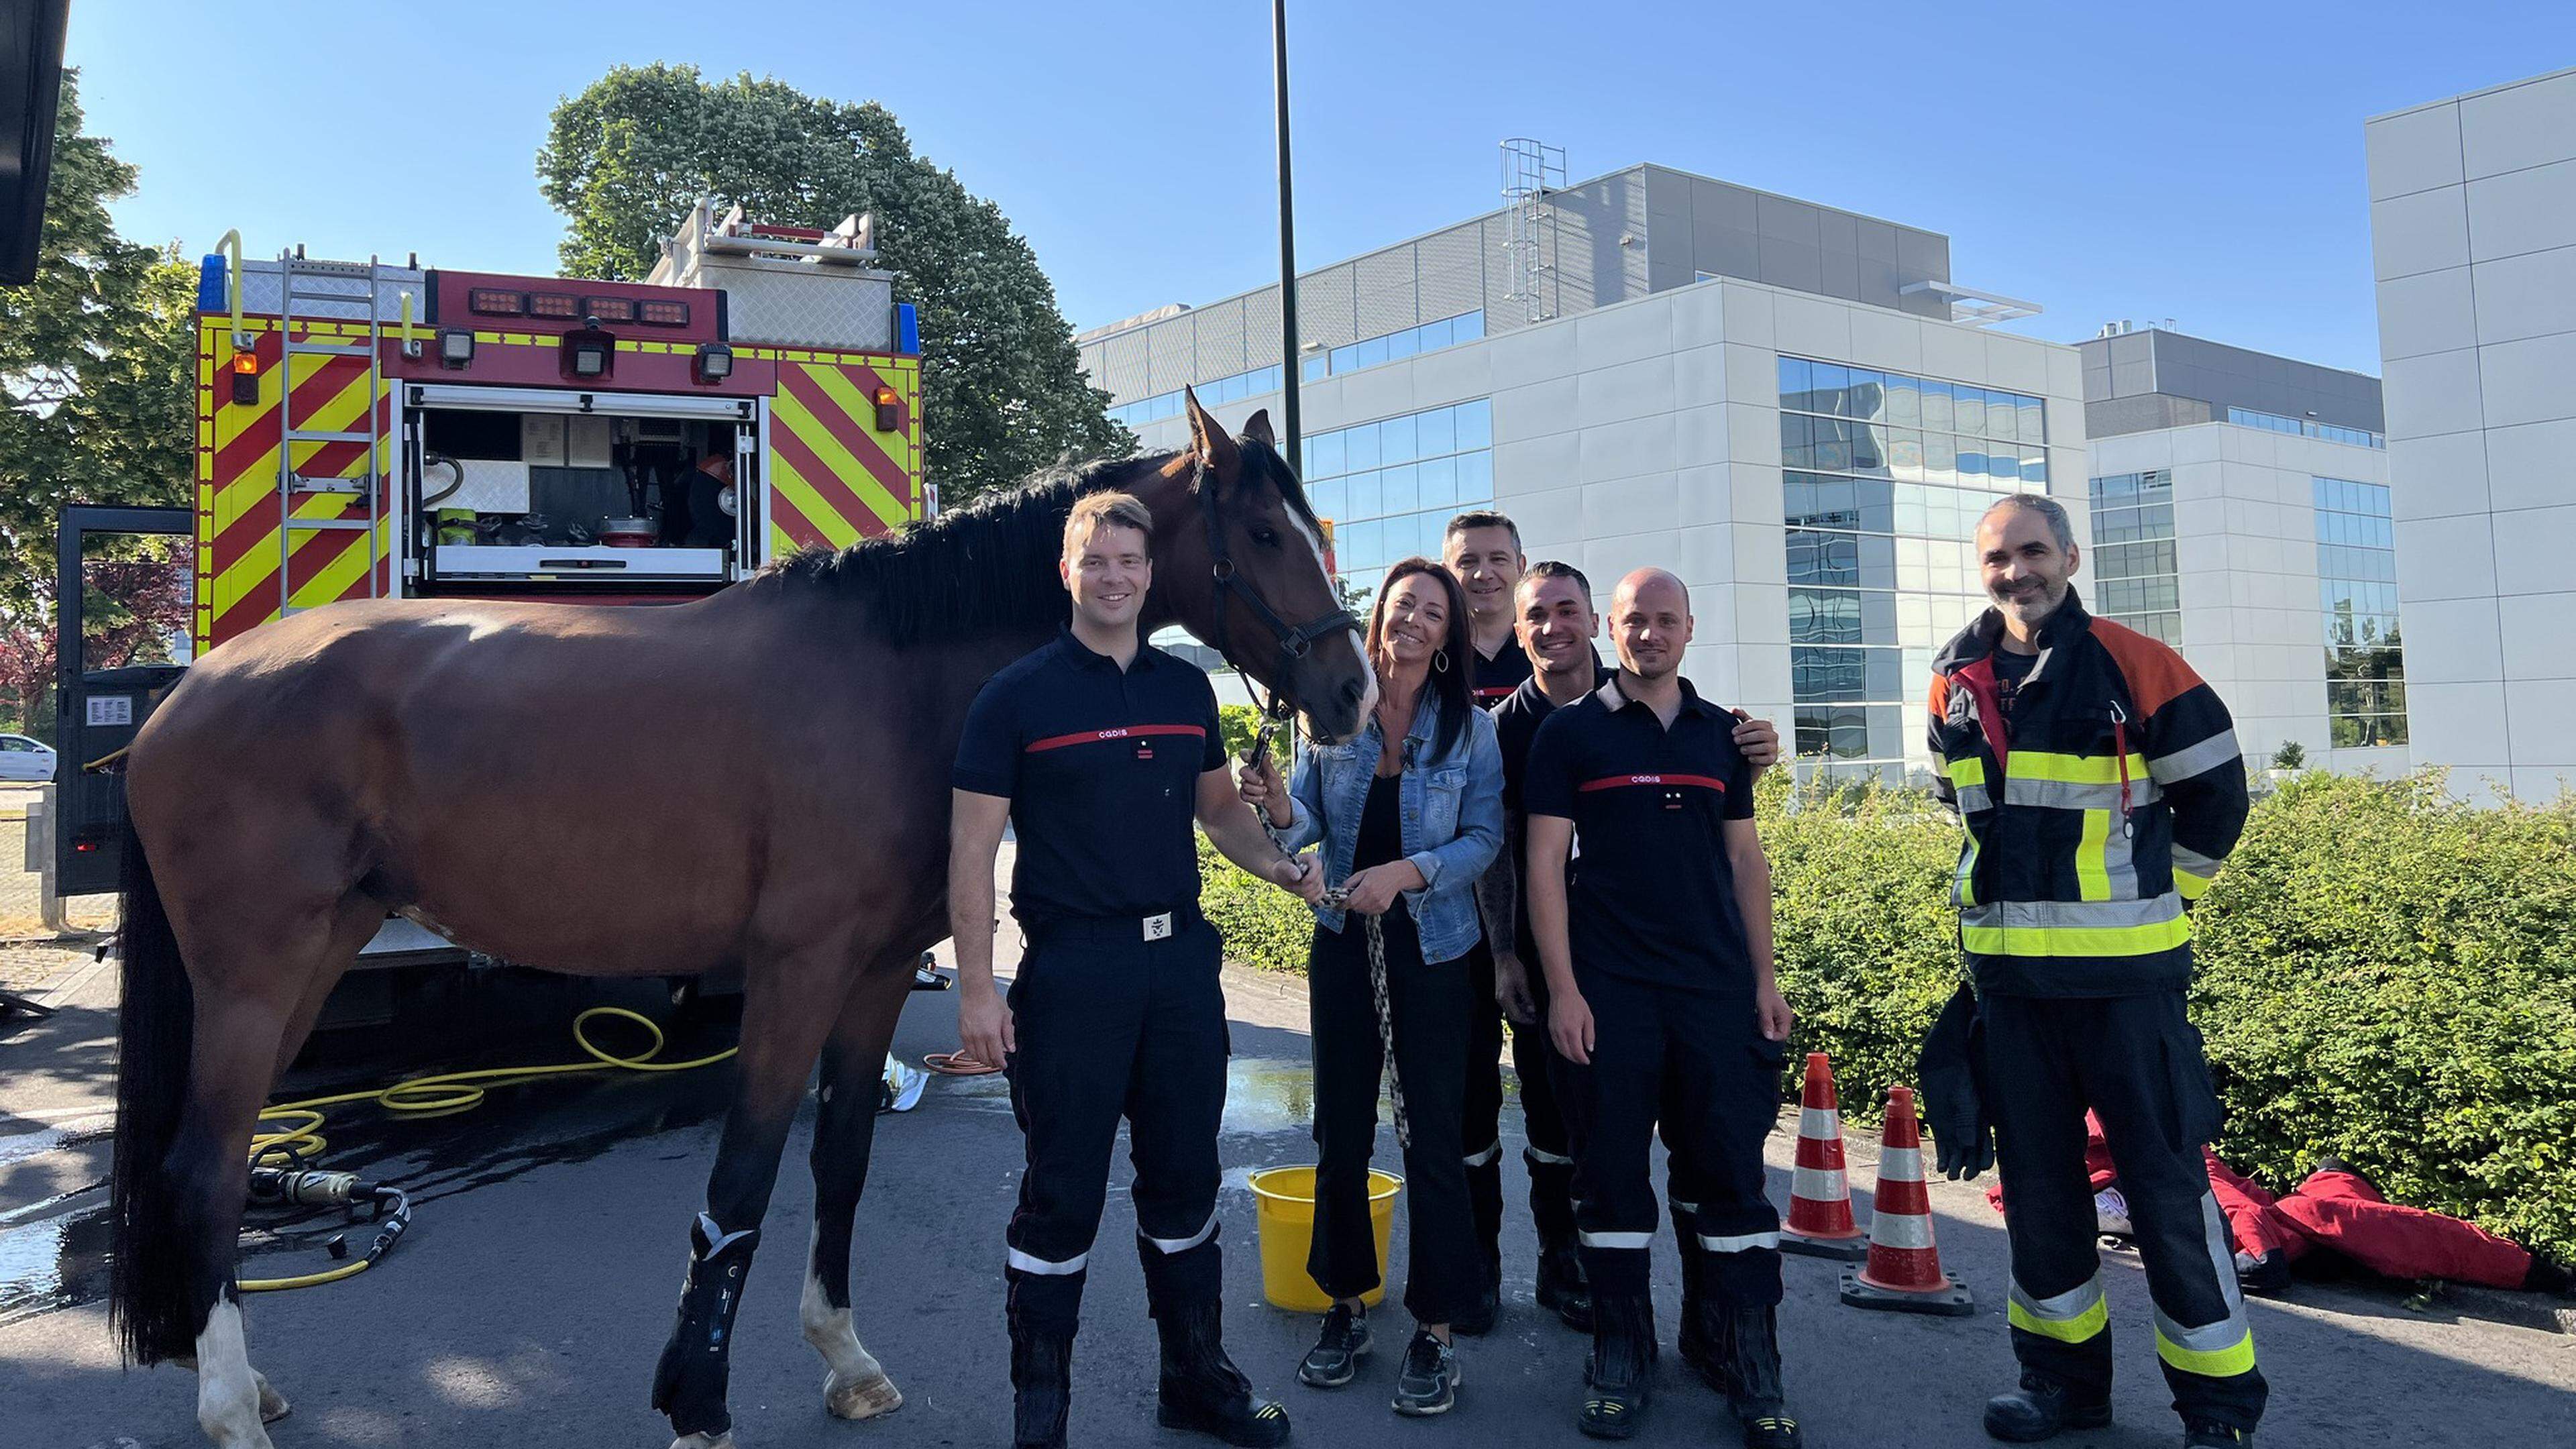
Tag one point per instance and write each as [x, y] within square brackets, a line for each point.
[1110, 1025]
[2136, 1062]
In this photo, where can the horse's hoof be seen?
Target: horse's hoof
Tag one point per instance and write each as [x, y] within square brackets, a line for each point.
[272, 1404]
[863, 1399]
[704, 1440]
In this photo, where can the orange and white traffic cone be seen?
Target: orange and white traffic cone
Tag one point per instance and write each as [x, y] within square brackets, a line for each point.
[1820, 1221]
[1903, 1273]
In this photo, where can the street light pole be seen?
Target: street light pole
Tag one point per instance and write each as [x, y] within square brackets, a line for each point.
[1288, 365]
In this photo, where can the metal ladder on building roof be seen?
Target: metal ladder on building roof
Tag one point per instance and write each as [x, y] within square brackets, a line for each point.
[308, 282]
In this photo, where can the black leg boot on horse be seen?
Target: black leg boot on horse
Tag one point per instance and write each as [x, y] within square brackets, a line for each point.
[689, 1382]
[1201, 1389]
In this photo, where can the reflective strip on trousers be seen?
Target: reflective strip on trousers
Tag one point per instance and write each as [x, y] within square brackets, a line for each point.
[2197, 759]
[1027, 1263]
[1615, 1240]
[1740, 1243]
[2074, 928]
[1182, 1245]
[2069, 1317]
[1535, 1157]
[2219, 1350]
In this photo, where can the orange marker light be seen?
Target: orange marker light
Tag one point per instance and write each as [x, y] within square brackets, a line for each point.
[245, 378]
[889, 410]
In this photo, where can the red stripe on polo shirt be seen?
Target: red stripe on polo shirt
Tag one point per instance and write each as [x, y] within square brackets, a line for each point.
[1123, 732]
[1621, 782]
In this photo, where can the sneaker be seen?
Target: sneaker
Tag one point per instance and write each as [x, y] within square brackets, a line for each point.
[2204, 1434]
[1427, 1383]
[1335, 1358]
[2111, 1214]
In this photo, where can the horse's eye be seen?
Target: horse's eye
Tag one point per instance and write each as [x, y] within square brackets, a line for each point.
[1266, 537]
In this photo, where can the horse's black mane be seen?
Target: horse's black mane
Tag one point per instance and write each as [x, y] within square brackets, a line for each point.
[990, 563]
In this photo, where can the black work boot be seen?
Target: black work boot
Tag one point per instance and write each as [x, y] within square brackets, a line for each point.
[1041, 1383]
[689, 1382]
[2043, 1408]
[2209, 1434]
[1202, 1390]
[1748, 1343]
[1697, 1338]
[1615, 1376]
[1562, 1288]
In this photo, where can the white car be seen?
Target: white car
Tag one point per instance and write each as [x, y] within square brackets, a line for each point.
[24, 759]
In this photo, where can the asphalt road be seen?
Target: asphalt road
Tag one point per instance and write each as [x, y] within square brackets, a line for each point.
[529, 1302]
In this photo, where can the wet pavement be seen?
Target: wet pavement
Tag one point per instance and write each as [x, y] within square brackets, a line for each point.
[529, 1301]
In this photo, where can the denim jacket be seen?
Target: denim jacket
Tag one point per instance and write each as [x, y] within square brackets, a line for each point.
[1452, 811]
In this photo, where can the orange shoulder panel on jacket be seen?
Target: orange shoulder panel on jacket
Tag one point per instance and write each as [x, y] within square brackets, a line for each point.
[2154, 671]
[1940, 699]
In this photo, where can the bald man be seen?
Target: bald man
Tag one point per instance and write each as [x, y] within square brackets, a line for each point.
[1658, 962]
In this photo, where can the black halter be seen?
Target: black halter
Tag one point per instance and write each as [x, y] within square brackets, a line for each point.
[1296, 642]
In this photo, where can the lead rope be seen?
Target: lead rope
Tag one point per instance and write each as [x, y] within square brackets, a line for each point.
[1333, 899]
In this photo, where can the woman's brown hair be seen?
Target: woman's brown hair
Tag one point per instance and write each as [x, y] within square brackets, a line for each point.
[1453, 686]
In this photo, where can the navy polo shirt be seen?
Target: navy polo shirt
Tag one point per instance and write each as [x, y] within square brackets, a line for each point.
[1516, 722]
[1497, 677]
[1101, 767]
[1653, 897]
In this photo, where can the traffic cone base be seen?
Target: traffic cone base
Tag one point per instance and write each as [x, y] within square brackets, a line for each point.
[1820, 1223]
[1903, 1274]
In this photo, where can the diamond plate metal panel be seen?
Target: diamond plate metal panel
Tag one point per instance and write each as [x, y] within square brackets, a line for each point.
[788, 305]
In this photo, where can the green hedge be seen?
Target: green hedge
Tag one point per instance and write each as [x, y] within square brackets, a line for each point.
[2385, 975]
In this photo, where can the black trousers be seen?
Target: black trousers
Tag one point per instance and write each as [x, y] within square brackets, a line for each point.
[1697, 1061]
[1109, 1026]
[2136, 1062]
[1481, 1127]
[1430, 1005]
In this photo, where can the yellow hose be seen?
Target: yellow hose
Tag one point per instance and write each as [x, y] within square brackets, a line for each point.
[298, 1140]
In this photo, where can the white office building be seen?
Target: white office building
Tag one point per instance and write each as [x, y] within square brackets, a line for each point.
[2242, 512]
[1790, 406]
[2473, 233]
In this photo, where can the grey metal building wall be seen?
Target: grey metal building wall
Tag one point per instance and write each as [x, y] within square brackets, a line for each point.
[2156, 362]
[1612, 238]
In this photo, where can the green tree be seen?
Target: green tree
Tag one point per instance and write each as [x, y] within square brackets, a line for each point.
[1002, 391]
[96, 367]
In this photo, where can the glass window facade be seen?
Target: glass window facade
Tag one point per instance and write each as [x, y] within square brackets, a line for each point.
[1369, 352]
[1885, 475]
[1220, 390]
[2302, 427]
[2357, 584]
[1390, 486]
[2134, 579]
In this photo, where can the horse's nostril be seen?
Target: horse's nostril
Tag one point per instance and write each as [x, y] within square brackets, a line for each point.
[1354, 690]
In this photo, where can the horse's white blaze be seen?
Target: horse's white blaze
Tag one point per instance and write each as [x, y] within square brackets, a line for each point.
[856, 1386]
[228, 1393]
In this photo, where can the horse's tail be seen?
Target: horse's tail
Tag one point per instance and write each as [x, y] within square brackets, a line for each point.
[148, 1267]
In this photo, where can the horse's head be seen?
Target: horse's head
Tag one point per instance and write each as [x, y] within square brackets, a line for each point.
[1239, 562]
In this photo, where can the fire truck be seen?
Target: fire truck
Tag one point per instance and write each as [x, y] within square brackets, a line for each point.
[366, 430]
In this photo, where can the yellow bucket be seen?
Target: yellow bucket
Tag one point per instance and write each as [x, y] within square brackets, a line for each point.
[1285, 1224]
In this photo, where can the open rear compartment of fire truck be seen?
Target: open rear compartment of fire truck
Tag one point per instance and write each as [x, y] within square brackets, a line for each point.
[609, 444]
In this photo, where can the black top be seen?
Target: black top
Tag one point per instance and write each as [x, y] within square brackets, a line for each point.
[1653, 897]
[1516, 722]
[1497, 677]
[1101, 768]
[2010, 670]
[1381, 831]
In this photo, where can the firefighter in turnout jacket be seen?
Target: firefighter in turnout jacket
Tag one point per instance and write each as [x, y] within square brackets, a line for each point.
[2100, 784]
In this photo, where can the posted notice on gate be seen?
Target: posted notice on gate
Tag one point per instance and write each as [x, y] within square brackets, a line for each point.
[111, 709]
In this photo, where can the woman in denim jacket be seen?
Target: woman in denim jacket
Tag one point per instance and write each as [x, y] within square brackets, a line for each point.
[1409, 813]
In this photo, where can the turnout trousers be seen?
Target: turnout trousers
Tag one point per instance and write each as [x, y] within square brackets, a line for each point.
[1696, 1061]
[2136, 1062]
[1111, 1025]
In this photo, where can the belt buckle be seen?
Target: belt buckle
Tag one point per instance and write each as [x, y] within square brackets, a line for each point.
[1159, 928]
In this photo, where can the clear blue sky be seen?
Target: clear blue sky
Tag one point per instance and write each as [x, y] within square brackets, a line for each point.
[2186, 160]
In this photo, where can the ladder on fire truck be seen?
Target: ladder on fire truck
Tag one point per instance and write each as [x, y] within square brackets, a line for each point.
[318, 291]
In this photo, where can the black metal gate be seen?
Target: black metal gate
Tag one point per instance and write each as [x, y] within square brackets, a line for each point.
[97, 710]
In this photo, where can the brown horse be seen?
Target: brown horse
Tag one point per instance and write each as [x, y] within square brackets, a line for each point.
[459, 763]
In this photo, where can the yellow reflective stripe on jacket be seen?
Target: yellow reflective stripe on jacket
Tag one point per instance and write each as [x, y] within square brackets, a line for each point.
[2192, 872]
[2092, 863]
[2069, 1317]
[2074, 769]
[2074, 928]
[1967, 772]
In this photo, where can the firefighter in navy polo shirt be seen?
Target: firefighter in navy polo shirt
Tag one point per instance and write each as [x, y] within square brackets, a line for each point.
[1101, 750]
[1658, 962]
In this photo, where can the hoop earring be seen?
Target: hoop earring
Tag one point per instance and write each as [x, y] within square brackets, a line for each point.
[1440, 662]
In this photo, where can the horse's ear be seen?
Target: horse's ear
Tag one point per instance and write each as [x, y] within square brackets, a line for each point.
[1208, 437]
[1257, 428]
